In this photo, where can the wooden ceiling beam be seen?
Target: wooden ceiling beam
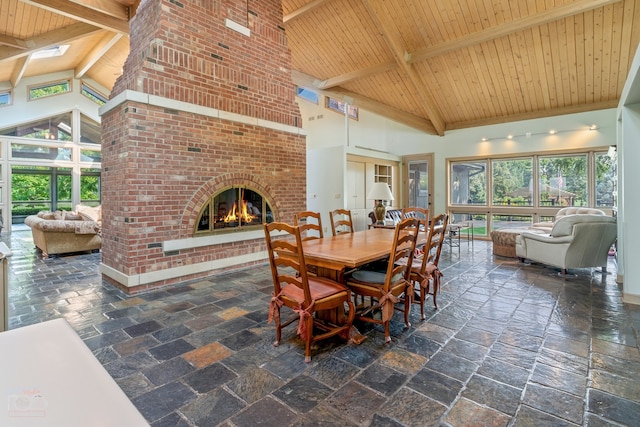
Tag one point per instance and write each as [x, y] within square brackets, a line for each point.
[517, 25]
[83, 13]
[371, 105]
[52, 38]
[302, 10]
[551, 112]
[427, 103]
[97, 52]
[18, 70]
[355, 75]
[12, 42]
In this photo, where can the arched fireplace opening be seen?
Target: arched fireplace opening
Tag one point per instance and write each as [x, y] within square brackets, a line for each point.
[233, 209]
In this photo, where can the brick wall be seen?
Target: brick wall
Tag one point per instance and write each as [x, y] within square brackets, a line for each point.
[161, 164]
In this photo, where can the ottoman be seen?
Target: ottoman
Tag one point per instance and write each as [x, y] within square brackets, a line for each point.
[504, 241]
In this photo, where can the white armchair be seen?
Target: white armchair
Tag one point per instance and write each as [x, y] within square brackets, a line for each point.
[575, 241]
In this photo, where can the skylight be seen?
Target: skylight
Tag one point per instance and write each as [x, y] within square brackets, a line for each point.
[50, 52]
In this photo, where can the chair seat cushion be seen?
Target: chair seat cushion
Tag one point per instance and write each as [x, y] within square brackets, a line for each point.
[320, 287]
[369, 276]
[372, 277]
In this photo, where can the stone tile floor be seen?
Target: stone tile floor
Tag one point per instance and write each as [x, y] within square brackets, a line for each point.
[511, 345]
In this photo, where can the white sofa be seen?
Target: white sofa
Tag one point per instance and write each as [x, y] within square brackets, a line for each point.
[574, 241]
[570, 210]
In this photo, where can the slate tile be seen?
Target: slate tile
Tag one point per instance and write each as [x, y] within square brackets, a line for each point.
[487, 392]
[452, 365]
[240, 340]
[382, 379]
[171, 333]
[321, 416]
[143, 328]
[161, 401]
[504, 372]
[560, 379]
[356, 402]
[212, 408]
[468, 413]
[254, 385]
[557, 403]
[266, 412]
[168, 371]
[436, 386]
[413, 409]
[208, 378]
[207, 354]
[302, 393]
[332, 371]
[531, 417]
[171, 349]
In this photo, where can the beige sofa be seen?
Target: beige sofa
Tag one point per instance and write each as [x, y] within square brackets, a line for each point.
[65, 232]
[575, 241]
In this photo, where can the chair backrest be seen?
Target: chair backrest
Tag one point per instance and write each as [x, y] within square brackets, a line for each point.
[341, 221]
[286, 258]
[404, 245]
[310, 225]
[421, 214]
[435, 239]
[414, 212]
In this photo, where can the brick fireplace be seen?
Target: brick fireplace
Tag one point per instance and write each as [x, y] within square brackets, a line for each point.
[205, 104]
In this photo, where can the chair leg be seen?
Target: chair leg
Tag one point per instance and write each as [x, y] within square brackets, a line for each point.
[407, 309]
[435, 294]
[307, 350]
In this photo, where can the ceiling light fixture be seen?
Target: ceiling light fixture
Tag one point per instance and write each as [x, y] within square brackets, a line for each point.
[529, 134]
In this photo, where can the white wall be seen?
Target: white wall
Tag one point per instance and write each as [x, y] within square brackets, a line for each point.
[23, 111]
[388, 140]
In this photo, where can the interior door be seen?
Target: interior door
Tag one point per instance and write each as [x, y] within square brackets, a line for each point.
[355, 194]
[417, 173]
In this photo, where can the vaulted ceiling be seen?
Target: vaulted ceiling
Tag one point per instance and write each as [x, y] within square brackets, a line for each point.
[431, 64]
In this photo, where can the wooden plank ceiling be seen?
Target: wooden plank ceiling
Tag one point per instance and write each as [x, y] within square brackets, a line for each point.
[433, 65]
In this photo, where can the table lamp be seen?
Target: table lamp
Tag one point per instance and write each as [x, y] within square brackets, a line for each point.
[379, 192]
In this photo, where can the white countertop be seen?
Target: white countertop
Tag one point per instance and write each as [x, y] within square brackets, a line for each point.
[49, 377]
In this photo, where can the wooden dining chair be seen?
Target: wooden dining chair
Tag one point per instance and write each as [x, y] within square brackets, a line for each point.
[300, 293]
[341, 221]
[421, 214]
[385, 289]
[310, 224]
[424, 270]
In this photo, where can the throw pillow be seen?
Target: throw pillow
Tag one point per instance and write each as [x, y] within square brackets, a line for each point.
[89, 213]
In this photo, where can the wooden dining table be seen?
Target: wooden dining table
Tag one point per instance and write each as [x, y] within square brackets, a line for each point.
[333, 255]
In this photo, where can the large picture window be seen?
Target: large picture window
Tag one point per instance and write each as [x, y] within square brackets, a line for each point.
[511, 192]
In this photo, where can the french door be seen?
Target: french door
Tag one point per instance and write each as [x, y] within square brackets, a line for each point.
[417, 179]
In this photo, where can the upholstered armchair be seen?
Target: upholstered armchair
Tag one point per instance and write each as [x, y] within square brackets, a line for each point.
[575, 241]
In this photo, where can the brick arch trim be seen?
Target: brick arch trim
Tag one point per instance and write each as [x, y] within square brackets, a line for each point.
[202, 195]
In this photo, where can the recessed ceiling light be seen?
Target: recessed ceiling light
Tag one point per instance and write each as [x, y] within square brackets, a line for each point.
[593, 127]
[553, 131]
[510, 136]
[484, 139]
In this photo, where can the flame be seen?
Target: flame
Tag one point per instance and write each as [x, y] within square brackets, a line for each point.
[242, 214]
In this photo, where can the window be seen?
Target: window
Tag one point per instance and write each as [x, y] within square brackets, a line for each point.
[57, 128]
[563, 180]
[90, 186]
[512, 182]
[340, 107]
[49, 89]
[50, 52]
[606, 180]
[93, 94]
[90, 132]
[5, 97]
[469, 183]
[307, 94]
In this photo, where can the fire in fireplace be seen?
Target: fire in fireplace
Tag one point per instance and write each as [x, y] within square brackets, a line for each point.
[233, 209]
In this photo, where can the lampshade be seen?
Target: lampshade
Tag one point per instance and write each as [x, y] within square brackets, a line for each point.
[380, 191]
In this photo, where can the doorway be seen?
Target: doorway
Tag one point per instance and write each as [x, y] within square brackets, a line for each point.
[417, 181]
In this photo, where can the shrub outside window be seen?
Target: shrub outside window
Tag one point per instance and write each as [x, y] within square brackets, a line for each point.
[563, 180]
[512, 182]
[469, 183]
